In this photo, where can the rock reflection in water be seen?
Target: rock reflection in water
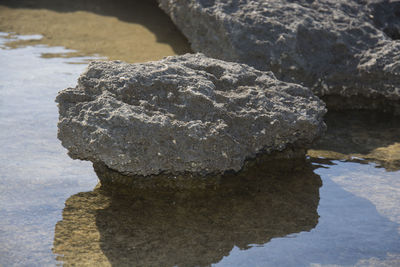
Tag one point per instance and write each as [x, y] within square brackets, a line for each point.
[361, 136]
[165, 227]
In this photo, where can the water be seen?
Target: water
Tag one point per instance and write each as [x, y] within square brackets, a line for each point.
[353, 229]
[36, 175]
[341, 207]
[132, 30]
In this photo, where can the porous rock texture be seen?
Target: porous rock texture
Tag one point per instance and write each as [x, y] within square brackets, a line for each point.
[185, 113]
[344, 50]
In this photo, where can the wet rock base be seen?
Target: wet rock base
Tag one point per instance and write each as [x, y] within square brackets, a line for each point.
[360, 136]
[278, 163]
[375, 104]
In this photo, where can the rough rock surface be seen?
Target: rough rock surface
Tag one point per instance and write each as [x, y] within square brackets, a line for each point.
[340, 49]
[386, 16]
[185, 113]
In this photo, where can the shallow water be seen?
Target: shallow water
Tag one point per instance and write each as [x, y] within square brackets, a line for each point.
[131, 30]
[341, 207]
[36, 175]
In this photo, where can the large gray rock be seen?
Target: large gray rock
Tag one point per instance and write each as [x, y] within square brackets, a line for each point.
[338, 48]
[183, 114]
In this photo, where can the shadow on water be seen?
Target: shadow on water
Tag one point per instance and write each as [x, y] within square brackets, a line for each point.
[361, 136]
[167, 227]
[89, 34]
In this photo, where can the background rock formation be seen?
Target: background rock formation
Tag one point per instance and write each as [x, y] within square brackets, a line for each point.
[183, 114]
[340, 49]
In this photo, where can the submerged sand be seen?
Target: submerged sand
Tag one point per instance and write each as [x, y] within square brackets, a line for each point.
[132, 31]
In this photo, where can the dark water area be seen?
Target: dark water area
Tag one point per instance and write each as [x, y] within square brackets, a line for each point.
[340, 206]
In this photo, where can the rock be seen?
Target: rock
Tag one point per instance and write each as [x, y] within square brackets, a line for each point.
[386, 16]
[287, 161]
[185, 113]
[338, 48]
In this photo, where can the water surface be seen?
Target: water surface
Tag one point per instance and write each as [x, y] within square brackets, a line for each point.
[129, 30]
[36, 175]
